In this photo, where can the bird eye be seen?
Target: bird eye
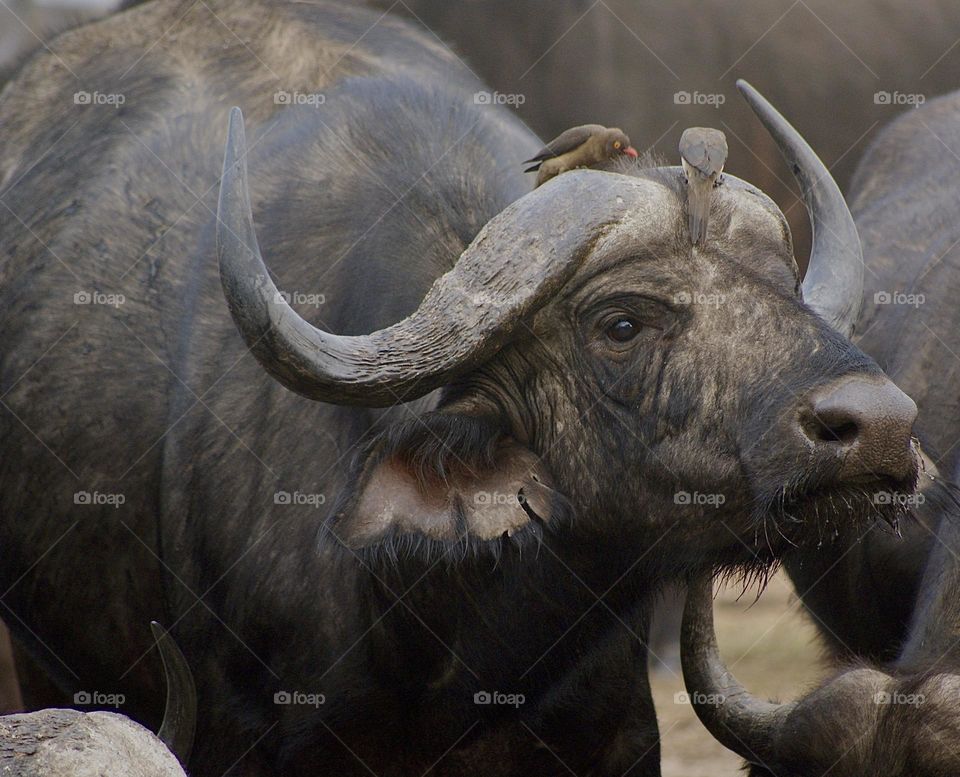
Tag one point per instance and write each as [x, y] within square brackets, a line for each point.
[623, 330]
[617, 144]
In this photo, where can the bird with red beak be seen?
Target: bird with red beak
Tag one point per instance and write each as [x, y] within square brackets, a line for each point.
[588, 145]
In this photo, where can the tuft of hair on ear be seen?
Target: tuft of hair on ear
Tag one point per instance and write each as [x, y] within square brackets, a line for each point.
[445, 484]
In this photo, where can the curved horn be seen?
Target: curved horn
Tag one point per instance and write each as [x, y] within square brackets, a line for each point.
[519, 260]
[833, 285]
[736, 719]
[180, 715]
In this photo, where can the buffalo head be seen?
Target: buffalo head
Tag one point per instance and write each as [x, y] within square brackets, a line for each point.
[601, 376]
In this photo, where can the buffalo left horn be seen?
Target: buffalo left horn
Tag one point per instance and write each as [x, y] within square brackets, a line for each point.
[736, 719]
[833, 285]
[514, 266]
[180, 714]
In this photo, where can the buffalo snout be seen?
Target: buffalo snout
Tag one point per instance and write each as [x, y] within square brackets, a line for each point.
[864, 422]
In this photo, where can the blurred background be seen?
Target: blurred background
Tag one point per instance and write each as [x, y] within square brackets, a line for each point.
[838, 71]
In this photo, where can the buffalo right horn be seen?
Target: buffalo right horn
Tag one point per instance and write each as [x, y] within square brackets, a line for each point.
[180, 714]
[514, 266]
[735, 718]
[833, 285]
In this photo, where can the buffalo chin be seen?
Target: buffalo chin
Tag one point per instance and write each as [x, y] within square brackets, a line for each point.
[838, 512]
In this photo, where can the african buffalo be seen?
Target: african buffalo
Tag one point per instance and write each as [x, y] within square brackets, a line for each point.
[548, 403]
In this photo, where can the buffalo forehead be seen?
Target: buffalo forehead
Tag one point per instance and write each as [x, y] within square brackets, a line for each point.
[650, 214]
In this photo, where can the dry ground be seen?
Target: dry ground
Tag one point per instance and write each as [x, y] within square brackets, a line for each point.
[772, 649]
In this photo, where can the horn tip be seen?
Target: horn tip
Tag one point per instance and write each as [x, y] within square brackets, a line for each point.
[751, 94]
[235, 135]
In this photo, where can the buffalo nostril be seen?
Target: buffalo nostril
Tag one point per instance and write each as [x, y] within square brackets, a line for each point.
[844, 432]
[831, 423]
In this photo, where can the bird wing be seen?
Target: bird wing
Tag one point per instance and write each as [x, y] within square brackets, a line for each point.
[704, 149]
[564, 142]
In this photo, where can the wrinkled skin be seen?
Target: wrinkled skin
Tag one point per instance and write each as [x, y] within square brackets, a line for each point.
[158, 400]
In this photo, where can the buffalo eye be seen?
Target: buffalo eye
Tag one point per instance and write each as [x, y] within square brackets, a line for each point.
[623, 330]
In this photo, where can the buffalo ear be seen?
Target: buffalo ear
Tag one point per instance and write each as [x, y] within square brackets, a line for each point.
[451, 479]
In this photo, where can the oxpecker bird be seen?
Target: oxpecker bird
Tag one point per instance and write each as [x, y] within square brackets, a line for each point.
[703, 152]
[584, 146]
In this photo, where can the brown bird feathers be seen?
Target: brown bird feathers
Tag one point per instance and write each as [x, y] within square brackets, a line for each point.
[584, 146]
